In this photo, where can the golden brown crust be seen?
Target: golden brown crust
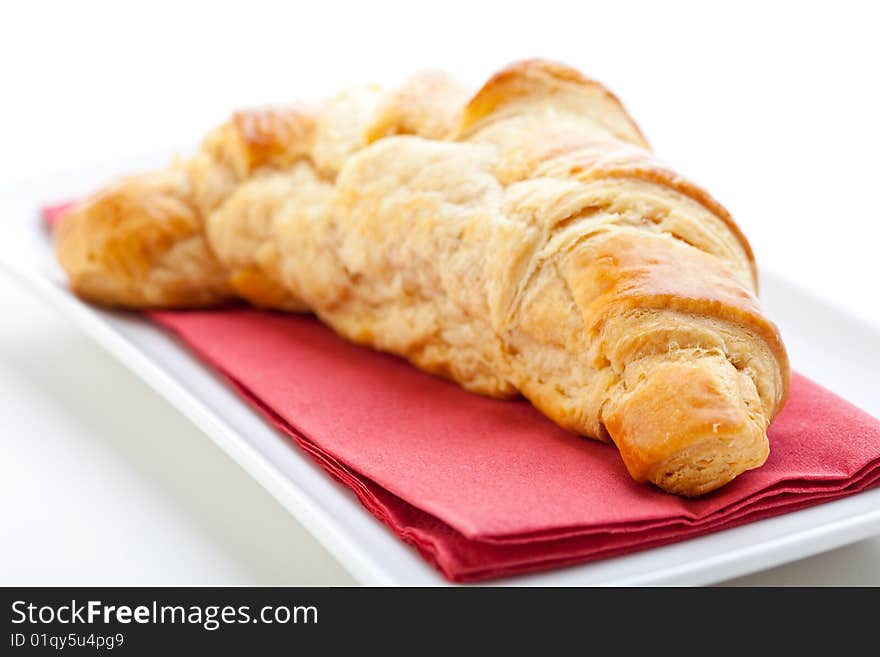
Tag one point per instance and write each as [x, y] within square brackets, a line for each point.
[270, 137]
[652, 173]
[686, 399]
[630, 270]
[523, 242]
[689, 439]
[428, 104]
[140, 243]
[563, 86]
[276, 137]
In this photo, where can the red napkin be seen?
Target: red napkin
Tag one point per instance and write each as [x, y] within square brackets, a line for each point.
[484, 488]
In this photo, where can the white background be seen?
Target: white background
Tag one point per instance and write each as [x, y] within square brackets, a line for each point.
[771, 106]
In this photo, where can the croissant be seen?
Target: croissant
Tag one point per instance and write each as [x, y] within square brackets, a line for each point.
[522, 241]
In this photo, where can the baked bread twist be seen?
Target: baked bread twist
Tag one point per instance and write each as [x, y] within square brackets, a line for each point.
[525, 241]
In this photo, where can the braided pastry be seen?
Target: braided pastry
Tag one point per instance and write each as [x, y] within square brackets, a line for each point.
[524, 241]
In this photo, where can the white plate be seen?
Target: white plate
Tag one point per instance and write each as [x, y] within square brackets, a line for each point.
[834, 349]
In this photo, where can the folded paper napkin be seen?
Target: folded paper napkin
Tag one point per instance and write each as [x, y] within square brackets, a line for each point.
[485, 488]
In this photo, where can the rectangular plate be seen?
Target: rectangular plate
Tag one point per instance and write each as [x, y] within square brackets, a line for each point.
[831, 347]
